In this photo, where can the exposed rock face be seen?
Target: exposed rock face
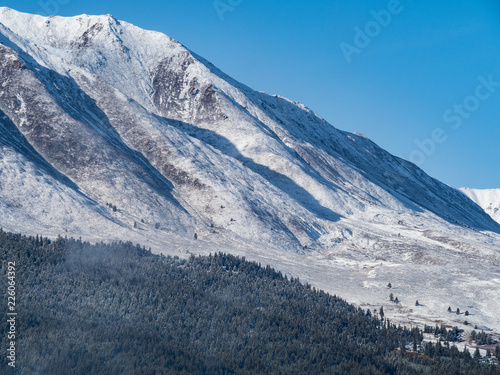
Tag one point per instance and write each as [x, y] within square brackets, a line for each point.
[133, 116]
[179, 94]
[109, 131]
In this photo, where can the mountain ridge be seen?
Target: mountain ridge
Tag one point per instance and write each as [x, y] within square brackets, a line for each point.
[150, 142]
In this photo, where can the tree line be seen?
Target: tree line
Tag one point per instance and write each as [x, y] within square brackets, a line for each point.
[119, 309]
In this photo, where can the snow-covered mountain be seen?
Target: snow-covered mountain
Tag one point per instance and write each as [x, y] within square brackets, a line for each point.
[487, 199]
[109, 132]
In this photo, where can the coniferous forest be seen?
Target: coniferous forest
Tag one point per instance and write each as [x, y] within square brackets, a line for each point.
[118, 309]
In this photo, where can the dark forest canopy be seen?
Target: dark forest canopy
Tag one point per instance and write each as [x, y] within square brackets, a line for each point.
[118, 309]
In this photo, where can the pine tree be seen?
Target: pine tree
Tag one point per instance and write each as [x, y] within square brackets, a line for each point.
[391, 297]
[416, 303]
[477, 353]
[449, 308]
[473, 335]
[466, 353]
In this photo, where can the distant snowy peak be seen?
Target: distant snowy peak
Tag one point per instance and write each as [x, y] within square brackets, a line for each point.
[487, 199]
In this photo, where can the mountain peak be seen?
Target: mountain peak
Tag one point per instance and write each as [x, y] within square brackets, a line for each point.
[109, 131]
[168, 81]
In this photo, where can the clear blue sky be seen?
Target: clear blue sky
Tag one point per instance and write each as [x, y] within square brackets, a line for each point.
[416, 76]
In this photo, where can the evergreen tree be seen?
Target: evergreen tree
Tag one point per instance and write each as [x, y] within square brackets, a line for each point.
[473, 335]
[477, 353]
[118, 309]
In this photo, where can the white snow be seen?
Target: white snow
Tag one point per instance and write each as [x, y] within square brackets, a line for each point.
[487, 199]
[263, 176]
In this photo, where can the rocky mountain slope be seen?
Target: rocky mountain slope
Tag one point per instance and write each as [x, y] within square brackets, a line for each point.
[110, 132]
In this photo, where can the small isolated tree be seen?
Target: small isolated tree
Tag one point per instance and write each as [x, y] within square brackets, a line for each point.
[466, 312]
[389, 285]
[416, 303]
[196, 236]
[458, 311]
[396, 300]
[391, 297]
[449, 308]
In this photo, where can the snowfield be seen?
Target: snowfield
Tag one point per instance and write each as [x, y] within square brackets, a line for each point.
[487, 199]
[110, 132]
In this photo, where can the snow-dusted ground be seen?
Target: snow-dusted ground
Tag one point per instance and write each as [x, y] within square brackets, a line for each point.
[487, 199]
[95, 111]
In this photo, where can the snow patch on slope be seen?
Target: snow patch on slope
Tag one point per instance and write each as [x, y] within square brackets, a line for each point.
[182, 148]
[487, 199]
